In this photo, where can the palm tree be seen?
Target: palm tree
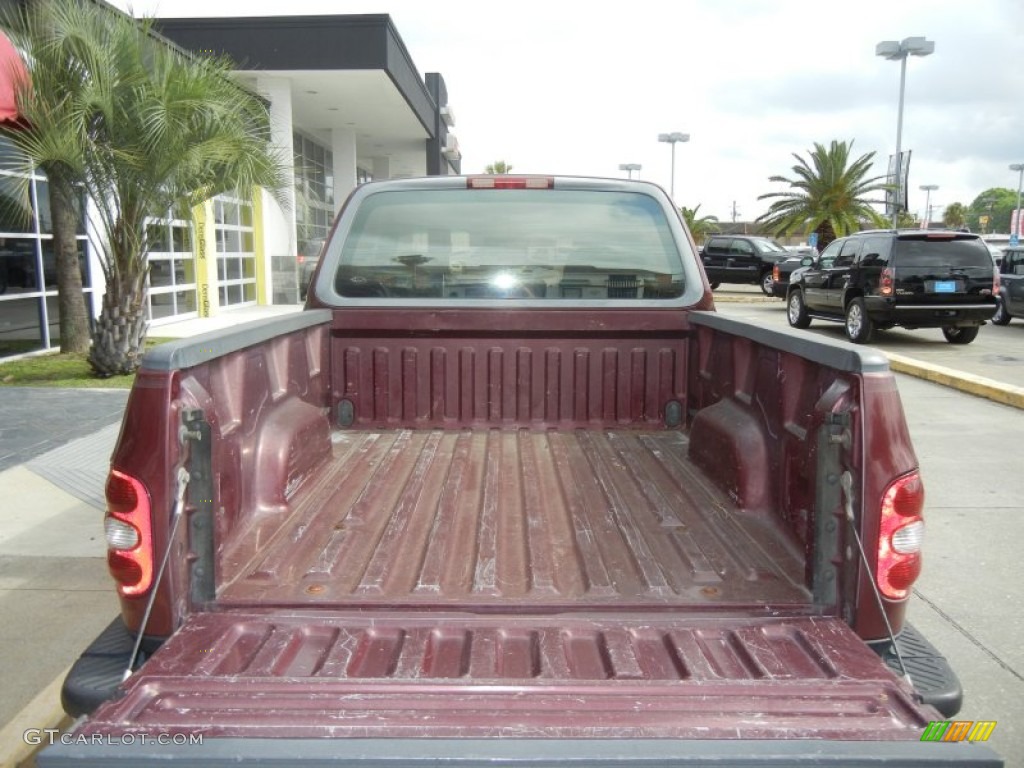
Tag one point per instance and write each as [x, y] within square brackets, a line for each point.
[158, 132]
[499, 167]
[955, 215]
[177, 134]
[701, 227]
[829, 195]
[56, 43]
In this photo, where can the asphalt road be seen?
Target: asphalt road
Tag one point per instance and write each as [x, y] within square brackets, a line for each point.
[997, 353]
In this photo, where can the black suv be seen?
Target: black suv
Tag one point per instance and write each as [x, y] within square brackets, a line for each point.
[912, 278]
[1011, 286]
[742, 259]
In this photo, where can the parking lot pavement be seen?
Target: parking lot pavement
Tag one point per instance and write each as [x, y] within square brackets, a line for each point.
[991, 367]
[34, 420]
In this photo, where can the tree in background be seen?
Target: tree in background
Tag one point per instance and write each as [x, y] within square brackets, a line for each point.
[997, 204]
[146, 131]
[906, 220]
[172, 133]
[701, 227]
[63, 68]
[830, 195]
[955, 216]
[498, 167]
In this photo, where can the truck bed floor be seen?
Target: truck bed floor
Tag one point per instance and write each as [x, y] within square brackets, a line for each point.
[516, 520]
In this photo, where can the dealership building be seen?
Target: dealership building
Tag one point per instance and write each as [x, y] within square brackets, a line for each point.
[346, 103]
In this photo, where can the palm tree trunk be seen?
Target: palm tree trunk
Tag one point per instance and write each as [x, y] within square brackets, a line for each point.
[825, 234]
[64, 212]
[120, 329]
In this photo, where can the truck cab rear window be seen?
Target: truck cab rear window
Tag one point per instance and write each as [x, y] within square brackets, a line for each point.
[457, 244]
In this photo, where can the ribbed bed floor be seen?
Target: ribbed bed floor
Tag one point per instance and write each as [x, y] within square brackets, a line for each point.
[488, 520]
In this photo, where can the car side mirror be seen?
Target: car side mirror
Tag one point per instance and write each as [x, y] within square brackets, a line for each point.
[807, 261]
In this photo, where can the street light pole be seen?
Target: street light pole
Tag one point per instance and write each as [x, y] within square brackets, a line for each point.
[1019, 167]
[898, 51]
[630, 167]
[673, 139]
[928, 202]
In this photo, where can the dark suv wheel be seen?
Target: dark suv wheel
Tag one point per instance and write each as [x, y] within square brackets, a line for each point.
[859, 327]
[961, 335]
[796, 310]
[766, 283]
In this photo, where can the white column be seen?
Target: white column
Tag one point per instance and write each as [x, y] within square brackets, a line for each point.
[279, 235]
[381, 168]
[343, 145]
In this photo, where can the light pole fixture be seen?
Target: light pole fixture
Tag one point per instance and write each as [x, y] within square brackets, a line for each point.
[630, 167]
[1019, 168]
[673, 139]
[928, 202]
[898, 51]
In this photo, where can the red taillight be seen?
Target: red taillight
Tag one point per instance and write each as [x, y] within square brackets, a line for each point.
[901, 531]
[775, 273]
[995, 280]
[129, 532]
[510, 182]
[885, 282]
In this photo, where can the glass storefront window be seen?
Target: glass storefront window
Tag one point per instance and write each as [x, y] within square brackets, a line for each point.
[28, 264]
[16, 215]
[236, 257]
[20, 325]
[42, 205]
[314, 189]
[172, 272]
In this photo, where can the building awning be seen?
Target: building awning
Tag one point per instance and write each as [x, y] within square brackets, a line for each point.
[12, 72]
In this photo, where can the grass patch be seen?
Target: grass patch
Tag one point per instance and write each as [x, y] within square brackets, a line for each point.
[57, 370]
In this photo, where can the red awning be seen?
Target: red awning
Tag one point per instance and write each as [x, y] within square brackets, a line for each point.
[12, 72]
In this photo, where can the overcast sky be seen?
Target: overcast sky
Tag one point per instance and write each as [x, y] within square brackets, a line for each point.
[574, 88]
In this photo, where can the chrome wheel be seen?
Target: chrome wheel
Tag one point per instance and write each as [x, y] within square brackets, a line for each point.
[858, 325]
[796, 311]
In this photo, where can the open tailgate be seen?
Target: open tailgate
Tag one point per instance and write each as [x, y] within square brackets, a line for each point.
[426, 689]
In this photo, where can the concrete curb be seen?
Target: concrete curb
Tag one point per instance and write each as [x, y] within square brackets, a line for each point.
[44, 711]
[741, 299]
[1007, 394]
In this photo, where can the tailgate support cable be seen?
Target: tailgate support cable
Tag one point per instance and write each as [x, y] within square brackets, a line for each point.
[846, 481]
[176, 515]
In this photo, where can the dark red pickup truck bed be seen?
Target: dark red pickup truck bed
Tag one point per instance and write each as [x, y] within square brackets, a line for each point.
[478, 584]
[519, 520]
[522, 597]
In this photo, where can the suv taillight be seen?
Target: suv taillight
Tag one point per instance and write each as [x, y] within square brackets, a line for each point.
[129, 532]
[775, 273]
[886, 281]
[900, 534]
